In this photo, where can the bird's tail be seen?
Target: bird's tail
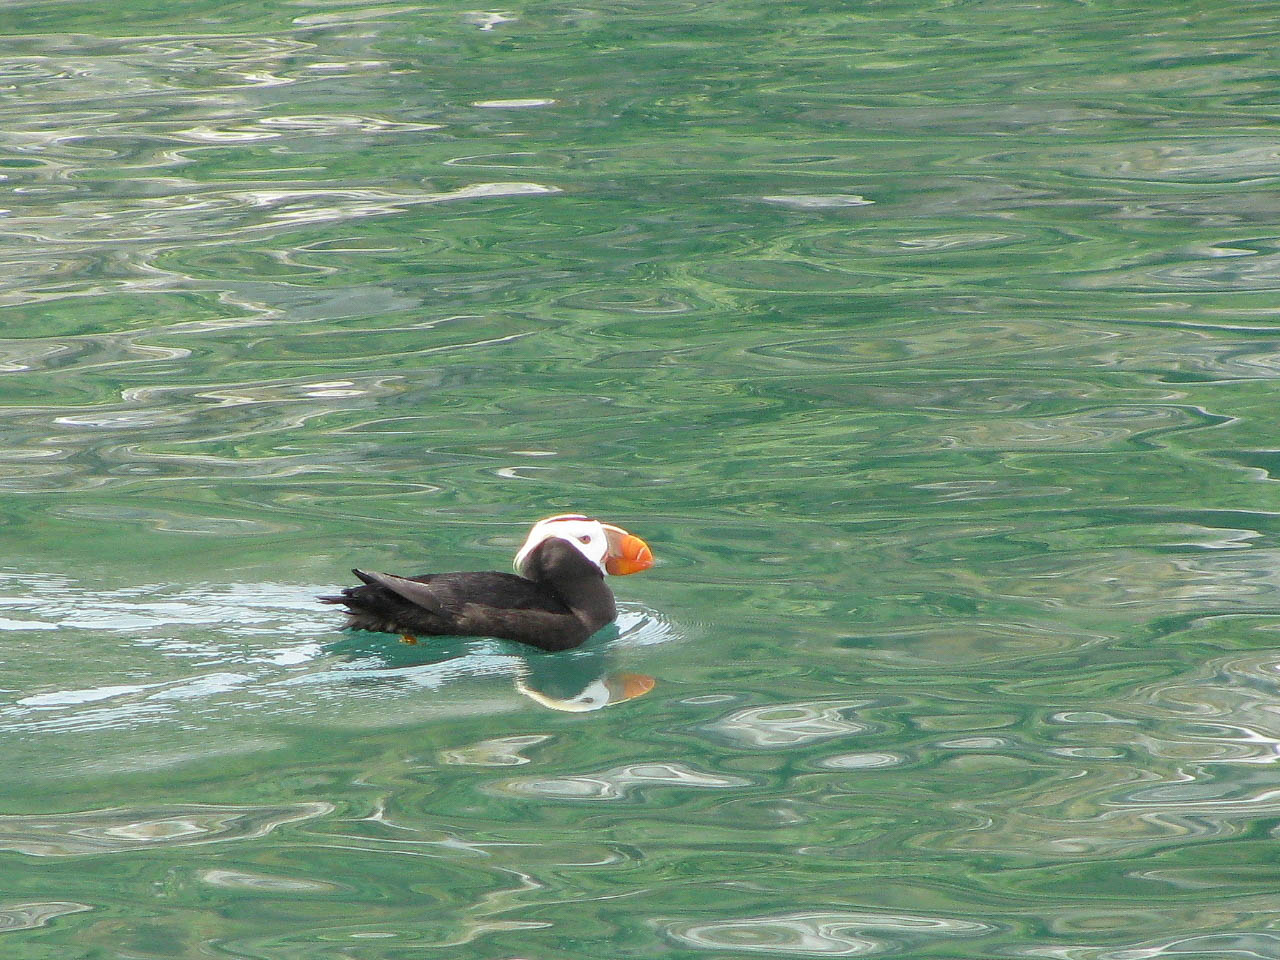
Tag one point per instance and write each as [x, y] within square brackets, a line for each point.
[348, 595]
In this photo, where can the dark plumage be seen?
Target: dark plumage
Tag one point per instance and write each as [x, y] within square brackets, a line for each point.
[560, 600]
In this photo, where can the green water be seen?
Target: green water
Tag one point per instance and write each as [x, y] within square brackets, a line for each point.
[932, 346]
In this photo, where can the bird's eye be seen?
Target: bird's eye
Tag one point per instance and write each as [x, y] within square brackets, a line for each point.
[585, 538]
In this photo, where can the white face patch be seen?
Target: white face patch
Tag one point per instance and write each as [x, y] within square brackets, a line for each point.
[594, 696]
[588, 537]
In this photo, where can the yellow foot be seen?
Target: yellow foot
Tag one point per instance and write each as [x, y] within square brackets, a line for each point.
[408, 638]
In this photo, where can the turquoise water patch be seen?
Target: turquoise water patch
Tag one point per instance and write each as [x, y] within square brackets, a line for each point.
[927, 345]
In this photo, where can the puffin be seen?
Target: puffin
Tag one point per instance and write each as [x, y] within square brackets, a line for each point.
[554, 601]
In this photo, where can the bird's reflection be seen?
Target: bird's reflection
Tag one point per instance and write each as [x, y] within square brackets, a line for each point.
[579, 681]
[578, 684]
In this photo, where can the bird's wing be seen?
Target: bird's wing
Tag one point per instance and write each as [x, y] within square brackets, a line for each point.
[416, 592]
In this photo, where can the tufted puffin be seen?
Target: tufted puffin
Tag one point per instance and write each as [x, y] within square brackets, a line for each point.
[558, 599]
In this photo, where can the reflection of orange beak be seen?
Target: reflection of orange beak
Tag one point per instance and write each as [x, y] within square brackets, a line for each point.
[630, 685]
[629, 554]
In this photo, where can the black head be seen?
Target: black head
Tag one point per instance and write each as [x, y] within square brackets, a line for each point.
[559, 561]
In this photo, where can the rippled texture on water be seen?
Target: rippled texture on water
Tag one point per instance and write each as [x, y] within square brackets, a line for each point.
[932, 346]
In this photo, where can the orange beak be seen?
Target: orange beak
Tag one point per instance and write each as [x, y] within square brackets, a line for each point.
[627, 553]
[630, 685]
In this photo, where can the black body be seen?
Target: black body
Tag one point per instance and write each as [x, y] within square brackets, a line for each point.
[560, 602]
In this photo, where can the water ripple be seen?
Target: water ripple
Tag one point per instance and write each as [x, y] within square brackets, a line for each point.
[28, 916]
[120, 830]
[622, 783]
[838, 934]
[789, 724]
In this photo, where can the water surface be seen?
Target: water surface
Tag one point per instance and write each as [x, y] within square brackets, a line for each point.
[931, 346]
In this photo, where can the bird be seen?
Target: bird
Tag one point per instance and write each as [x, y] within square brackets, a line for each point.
[556, 599]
